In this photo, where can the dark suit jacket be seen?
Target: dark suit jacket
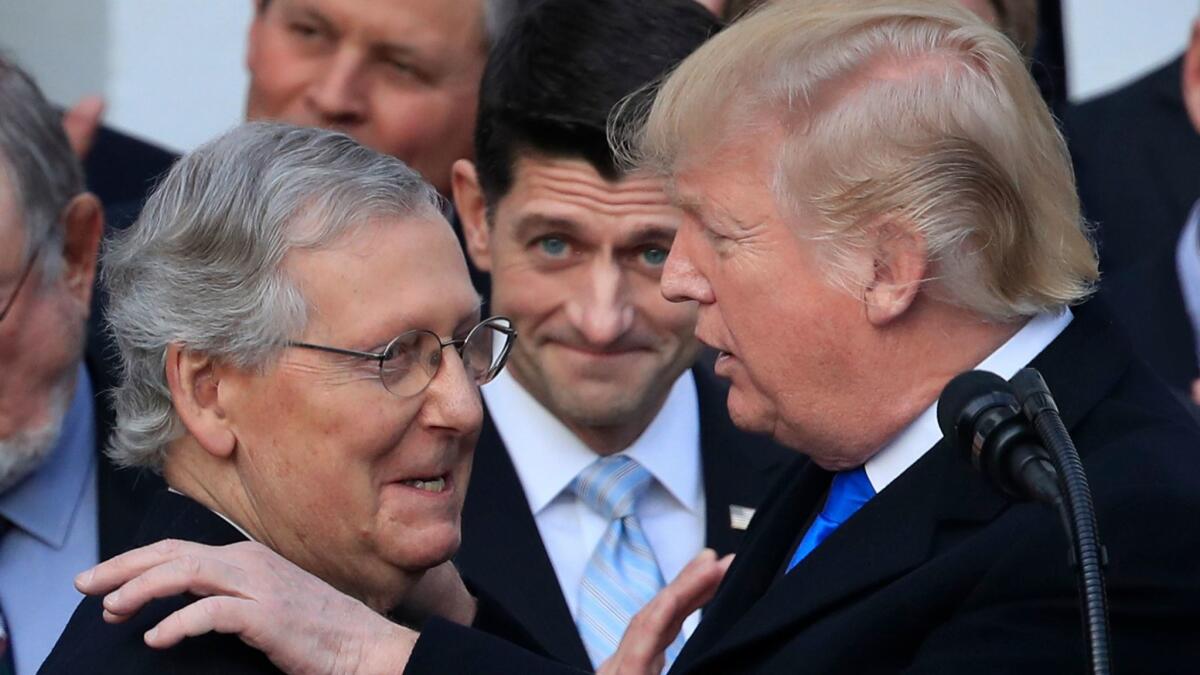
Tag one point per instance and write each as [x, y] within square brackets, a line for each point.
[502, 554]
[89, 645]
[940, 574]
[122, 495]
[122, 169]
[1137, 162]
[1148, 301]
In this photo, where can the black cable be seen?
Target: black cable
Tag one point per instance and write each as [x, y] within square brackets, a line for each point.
[1077, 510]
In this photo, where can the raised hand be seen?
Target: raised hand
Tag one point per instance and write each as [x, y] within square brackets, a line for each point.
[643, 647]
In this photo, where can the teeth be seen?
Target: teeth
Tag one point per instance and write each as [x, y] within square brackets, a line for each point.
[435, 485]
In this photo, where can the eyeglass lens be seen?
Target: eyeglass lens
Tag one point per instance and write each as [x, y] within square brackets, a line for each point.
[414, 358]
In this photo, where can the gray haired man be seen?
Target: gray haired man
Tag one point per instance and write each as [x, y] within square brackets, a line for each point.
[62, 504]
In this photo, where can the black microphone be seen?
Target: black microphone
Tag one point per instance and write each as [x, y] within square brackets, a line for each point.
[981, 419]
[1087, 553]
[1006, 438]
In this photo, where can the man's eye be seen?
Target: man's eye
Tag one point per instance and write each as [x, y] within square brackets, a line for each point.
[655, 256]
[553, 247]
[303, 30]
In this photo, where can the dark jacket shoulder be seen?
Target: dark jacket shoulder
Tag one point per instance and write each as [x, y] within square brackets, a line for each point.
[89, 645]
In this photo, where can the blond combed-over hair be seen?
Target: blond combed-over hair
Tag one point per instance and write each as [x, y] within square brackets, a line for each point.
[912, 110]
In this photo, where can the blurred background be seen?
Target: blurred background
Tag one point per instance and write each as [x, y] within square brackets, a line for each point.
[172, 70]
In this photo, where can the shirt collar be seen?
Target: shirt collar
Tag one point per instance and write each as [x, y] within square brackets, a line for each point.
[1187, 264]
[923, 433]
[44, 504]
[547, 456]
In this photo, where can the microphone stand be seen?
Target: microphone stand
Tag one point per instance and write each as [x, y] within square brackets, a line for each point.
[1076, 510]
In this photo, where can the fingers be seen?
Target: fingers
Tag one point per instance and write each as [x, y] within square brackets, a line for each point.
[81, 122]
[1196, 391]
[654, 628]
[216, 614]
[115, 572]
[201, 576]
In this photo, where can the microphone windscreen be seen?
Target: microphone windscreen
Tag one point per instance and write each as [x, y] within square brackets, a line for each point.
[960, 392]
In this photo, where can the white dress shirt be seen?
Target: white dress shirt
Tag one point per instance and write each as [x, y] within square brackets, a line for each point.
[547, 457]
[1187, 264]
[923, 433]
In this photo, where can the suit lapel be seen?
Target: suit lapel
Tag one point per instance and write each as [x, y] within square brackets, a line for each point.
[889, 536]
[503, 553]
[737, 468]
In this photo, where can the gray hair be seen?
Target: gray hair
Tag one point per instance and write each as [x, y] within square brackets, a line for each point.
[41, 168]
[203, 265]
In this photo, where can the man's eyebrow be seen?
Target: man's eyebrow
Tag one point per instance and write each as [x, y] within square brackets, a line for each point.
[651, 233]
[304, 10]
[536, 222]
[396, 50]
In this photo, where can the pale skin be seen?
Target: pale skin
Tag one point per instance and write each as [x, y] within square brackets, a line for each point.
[400, 76]
[311, 454]
[41, 337]
[575, 259]
[828, 399]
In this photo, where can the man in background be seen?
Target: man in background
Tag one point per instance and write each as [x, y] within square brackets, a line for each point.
[1137, 157]
[602, 383]
[62, 503]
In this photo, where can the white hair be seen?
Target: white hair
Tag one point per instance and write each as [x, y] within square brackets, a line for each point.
[203, 265]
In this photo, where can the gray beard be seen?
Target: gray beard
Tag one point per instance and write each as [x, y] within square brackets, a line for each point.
[23, 453]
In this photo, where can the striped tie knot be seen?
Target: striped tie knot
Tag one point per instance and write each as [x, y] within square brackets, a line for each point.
[612, 485]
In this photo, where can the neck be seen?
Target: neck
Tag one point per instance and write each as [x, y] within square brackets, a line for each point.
[213, 483]
[602, 438]
[609, 440]
[920, 355]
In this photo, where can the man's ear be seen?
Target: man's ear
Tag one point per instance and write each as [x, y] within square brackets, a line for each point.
[471, 206]
[1191, 77]
[83, 223]
[898, 268]
[195, 381]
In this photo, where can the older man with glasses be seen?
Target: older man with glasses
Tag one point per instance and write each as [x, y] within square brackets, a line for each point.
[283, 308]
[62, 504]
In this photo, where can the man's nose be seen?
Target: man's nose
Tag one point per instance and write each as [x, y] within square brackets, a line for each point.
[337, 96]
[452, 400]
[681, 281]
[601, 310]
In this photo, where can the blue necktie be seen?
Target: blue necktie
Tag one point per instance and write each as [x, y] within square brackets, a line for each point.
[849, 491]
[622, 574]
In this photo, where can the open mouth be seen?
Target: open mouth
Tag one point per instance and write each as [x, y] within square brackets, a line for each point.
[426, 484]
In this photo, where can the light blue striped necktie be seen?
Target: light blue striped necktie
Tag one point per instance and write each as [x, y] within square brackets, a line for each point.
[622, 575]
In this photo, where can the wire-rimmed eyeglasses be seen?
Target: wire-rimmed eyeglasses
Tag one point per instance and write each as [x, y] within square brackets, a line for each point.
[411, 360]
[12, 299]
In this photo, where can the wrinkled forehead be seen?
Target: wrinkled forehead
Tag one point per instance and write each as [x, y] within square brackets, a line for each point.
[416, 24]
[388, 274]
[549, 184]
